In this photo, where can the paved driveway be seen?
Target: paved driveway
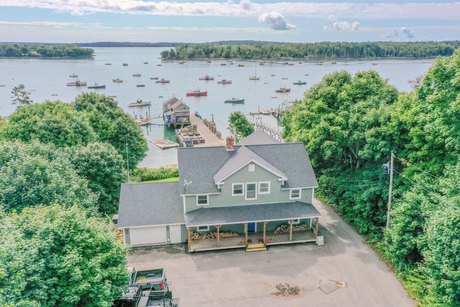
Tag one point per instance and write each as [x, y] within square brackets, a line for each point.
[237, 278]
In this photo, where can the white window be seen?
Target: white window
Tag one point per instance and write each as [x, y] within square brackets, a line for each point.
[251, 190]
[295, 194]
[295, 221]
[202, 200]
[252, 167]
[264, 187]
[237, 189]
[203, 228]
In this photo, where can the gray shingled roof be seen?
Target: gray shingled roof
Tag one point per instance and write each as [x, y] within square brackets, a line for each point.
[150, 203]
[258, 138]
[239, 214]
[242, 157]
[200, 164]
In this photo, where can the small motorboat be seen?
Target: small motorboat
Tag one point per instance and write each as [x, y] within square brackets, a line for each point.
[283, 90]
[224, 81]
[235, 100]
[254, 78]
[73, 76]
[137, 75]
[300, 83]
[108, 63]
[207, 78]
[96, 86]
[117, 80]
[153, 78]
[140, 103]
[197, 93]
[140, 85]
[125, 64]
[181, 62]
[146, 62]
[162, 81]
[77, 83]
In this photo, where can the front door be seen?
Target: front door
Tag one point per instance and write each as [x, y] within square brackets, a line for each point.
[251, 227]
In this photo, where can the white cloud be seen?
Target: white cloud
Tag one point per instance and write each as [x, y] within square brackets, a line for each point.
[245, 4]
[404, 31]
[342, 25]
[276, 21]
[370, 11]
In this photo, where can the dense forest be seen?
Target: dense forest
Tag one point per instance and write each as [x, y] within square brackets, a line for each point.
[350, 124]
[61, 168]
[45, 51]
[322, 50]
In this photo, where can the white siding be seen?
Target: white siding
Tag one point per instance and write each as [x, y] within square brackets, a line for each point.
[175, 234]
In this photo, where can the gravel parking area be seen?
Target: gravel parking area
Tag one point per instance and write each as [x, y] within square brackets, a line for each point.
[343, 272]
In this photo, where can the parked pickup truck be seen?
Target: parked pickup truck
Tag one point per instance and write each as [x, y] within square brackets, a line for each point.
[147, 288]
[154, 279]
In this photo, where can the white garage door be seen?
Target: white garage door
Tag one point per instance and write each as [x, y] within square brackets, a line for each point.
[148, 235]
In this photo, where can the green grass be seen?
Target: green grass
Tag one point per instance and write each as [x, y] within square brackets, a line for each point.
[166, 179]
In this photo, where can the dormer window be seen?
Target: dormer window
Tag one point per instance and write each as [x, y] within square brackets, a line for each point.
[202, 200]
[295, 194]
[252, 167]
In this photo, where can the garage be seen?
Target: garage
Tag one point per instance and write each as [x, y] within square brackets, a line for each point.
[148, 235]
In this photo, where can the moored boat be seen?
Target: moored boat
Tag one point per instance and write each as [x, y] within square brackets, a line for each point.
[146, 62]
[96, 86]
[117, 80]
[140, 85]
[153, 78]
[73, 76]
[181, 62]
[235, 100]
[125, 64]
[197, 93]
[77, 83]
[162, 81]
[283, 90]
[300, 82]
[137, 75]
[207, 78]
[254, 78]
[140, 103]
[108, 63]
[224, 81]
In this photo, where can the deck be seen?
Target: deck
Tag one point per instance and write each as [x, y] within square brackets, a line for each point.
[210, 138]
[254, 237]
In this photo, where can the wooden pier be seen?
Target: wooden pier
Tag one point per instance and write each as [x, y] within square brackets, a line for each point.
[210, 138]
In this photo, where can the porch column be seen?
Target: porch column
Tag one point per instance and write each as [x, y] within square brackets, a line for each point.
[218, 234]
[189, 238]
[290, 230]
[246, 232]
[265, 232]
[316, 227]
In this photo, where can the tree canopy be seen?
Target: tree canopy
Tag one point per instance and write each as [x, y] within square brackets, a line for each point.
[320, 50]
[59, 256]
[112, 125]
[103, 167]
[239, 125]
[45, 51]
[57, 123]
[349, 125]
[33, 175]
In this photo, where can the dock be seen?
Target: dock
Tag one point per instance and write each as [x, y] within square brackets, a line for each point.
[210, 138]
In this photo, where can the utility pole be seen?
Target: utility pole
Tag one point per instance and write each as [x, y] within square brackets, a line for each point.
[127, 157]
[390, 189]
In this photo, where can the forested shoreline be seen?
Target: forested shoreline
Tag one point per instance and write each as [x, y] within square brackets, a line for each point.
[322, 50]
[350, 125]
[44, 51]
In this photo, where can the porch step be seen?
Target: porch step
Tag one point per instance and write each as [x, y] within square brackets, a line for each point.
[256, 247]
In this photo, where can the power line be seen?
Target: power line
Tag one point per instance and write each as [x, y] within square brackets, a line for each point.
[432, 193]
[404, 161]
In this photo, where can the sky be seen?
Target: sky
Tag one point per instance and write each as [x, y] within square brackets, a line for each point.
[67, 21]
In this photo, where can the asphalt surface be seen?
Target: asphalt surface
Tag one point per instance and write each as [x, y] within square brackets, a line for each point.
[237, 278]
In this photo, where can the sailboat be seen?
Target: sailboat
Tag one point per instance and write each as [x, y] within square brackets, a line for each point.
[255, 78]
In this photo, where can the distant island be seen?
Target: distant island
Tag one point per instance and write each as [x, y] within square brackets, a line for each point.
[44, 51]
[321, 50]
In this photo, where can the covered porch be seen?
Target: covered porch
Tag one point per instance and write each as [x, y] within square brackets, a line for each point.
[295, 222]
